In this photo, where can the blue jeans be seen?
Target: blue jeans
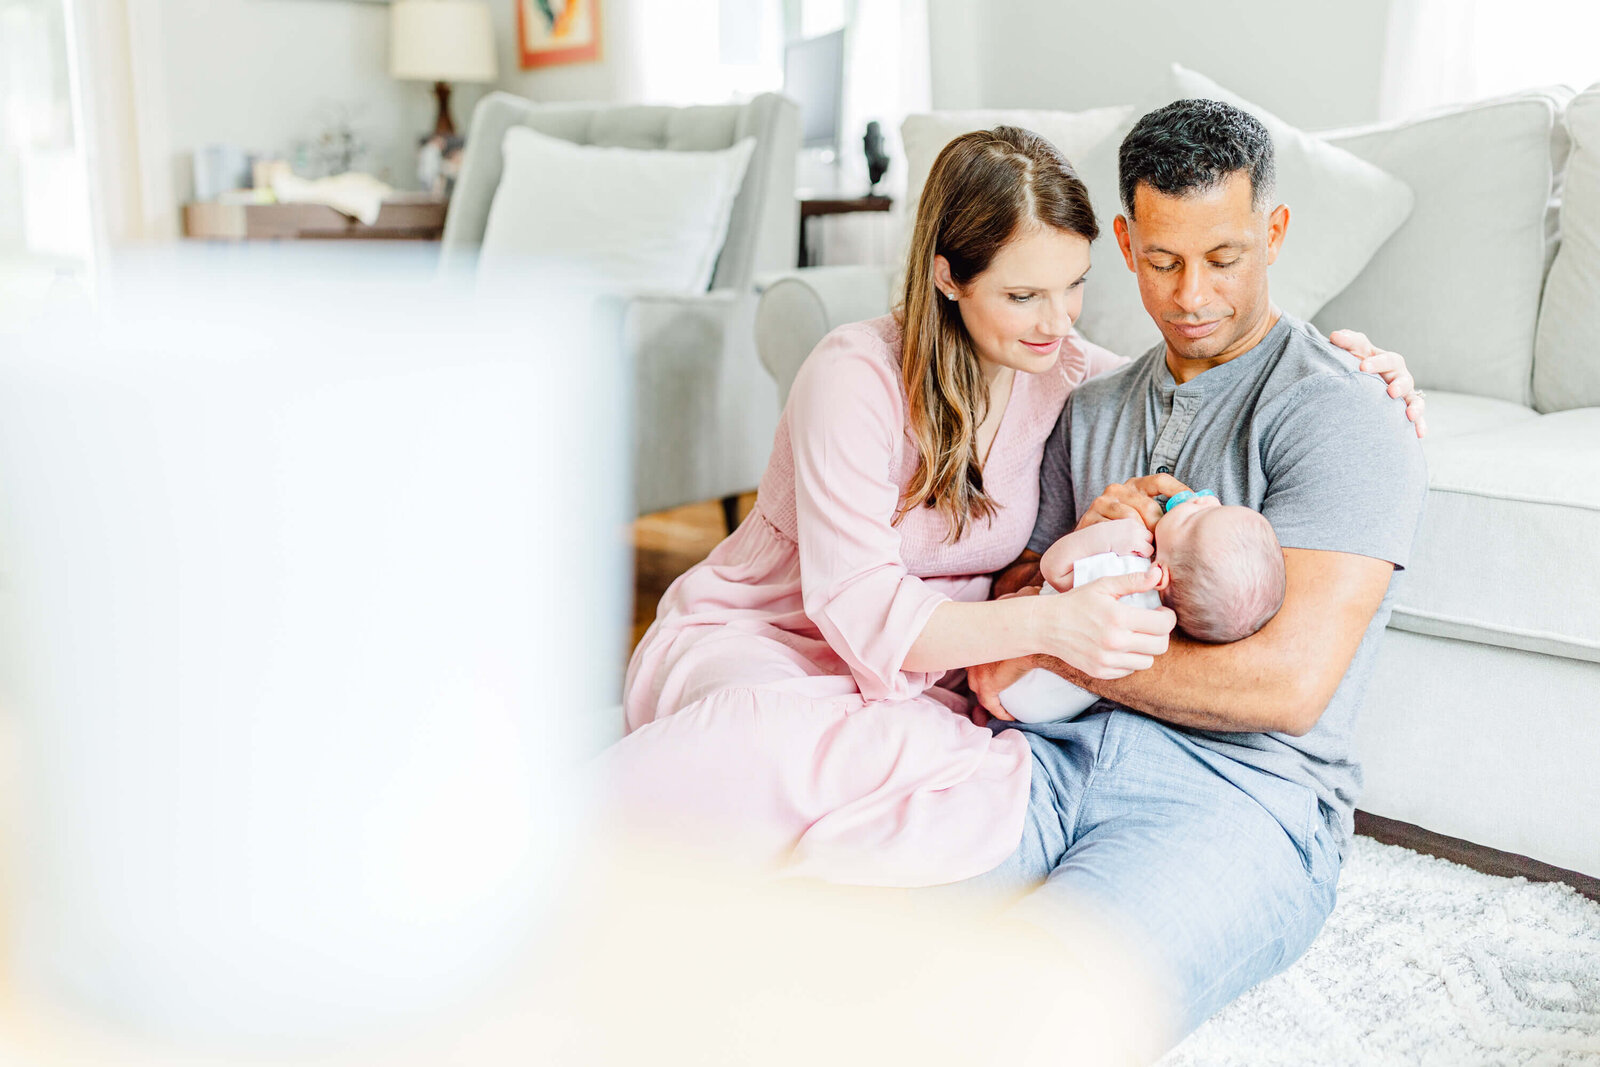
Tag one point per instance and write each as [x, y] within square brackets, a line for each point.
[1221, 874]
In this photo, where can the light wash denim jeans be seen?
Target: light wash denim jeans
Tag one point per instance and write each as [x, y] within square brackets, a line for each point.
[1221, 874]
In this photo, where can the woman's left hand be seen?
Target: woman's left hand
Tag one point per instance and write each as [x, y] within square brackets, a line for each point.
[1391, 367]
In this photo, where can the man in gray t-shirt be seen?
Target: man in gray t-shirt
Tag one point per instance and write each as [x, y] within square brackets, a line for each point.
[1203, 804]
[1293, 430]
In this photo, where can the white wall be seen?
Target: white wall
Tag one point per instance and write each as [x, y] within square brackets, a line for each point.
[1314, 65]
[262, 74]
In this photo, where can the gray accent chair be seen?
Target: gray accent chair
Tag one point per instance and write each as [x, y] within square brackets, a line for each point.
[705, 411]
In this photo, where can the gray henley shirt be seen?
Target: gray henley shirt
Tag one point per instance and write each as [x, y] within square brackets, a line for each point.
[1292, 429]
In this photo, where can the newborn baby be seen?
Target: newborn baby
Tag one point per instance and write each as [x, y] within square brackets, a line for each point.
[1222, 575]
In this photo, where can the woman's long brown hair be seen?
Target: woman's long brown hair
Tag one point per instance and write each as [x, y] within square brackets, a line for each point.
[984, 187]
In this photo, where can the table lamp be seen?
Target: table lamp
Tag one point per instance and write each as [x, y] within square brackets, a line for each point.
[441, 41]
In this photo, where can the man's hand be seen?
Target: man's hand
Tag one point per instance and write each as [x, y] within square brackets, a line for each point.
[985, 711]
[1132, 499]
[988, 680]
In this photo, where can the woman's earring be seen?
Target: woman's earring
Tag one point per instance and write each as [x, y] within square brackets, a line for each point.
[949, 295]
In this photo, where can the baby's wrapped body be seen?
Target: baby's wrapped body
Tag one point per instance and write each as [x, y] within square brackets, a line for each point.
[1222, 575]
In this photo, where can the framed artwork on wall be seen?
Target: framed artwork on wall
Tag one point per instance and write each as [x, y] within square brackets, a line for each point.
[550, 32]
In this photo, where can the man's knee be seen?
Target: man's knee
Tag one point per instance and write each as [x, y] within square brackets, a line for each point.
[1215, 904]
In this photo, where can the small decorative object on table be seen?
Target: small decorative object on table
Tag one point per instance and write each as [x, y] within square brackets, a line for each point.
[219, 169]
[438, 163]
[339, 147]
[877, 156]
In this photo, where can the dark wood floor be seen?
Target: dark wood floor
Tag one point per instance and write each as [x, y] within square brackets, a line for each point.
[1478, 857]
[670, 542]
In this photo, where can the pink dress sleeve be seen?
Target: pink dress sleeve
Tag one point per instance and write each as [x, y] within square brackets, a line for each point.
[845, 426]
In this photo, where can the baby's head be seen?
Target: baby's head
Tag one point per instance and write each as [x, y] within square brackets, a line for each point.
[1224, 568]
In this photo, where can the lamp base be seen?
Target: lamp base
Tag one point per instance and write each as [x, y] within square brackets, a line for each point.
[443, 127]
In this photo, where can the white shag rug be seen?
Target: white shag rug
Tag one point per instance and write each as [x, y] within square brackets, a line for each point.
[1425, 962]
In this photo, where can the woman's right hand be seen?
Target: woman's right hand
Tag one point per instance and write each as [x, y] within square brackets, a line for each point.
[1091, 629]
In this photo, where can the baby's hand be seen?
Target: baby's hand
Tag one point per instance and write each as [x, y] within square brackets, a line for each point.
[1125, 537]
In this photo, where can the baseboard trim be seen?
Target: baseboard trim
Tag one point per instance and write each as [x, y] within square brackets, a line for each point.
[1478, 857]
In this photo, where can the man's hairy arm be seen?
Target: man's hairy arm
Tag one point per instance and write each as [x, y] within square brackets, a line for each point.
[1021, 574]
[1278, 680]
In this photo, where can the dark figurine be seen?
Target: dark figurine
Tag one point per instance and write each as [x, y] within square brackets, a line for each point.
[877, 158]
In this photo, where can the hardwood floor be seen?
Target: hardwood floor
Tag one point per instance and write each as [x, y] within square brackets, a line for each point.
[670, 542]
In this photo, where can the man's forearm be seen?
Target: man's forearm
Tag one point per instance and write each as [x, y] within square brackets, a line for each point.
[1020, 575]
[1281, 678]
[1186, 688]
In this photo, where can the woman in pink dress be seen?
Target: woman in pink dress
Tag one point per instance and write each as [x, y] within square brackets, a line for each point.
[798, 700]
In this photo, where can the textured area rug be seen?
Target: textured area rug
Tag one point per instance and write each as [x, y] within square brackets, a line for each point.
[1425, 962]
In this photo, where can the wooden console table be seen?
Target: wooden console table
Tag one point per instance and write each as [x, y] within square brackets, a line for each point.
[402, 219]
[811, 207]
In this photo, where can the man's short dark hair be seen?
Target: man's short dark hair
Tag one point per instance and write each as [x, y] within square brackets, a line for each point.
[1193, 145]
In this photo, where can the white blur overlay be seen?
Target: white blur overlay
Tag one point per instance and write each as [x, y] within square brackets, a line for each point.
[314, 593]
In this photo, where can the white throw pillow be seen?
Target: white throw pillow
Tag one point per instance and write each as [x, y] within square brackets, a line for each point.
[924, 137]
[1074, 132]
[1341, 210]
[626, 218]
[1566, 369]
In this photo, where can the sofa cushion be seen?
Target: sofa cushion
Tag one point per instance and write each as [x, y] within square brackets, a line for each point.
[1566, 368]
[1503, 556]
[628, 218]
[1342, 209]
[1457, 287]
[1456, 414]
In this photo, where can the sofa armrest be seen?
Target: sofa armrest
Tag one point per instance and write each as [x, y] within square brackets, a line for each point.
[705, 411]
[798, 309]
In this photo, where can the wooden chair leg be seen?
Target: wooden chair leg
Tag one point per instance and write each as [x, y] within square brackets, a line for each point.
[730, 512]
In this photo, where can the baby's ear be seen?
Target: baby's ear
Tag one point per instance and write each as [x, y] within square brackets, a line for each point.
[1166, 578]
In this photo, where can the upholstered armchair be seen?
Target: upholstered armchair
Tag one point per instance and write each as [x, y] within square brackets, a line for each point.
[705, 410]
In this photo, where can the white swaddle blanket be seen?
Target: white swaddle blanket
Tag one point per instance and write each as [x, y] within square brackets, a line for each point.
[1040, 696]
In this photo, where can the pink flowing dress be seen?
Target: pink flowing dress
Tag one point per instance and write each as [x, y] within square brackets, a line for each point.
[767, 706]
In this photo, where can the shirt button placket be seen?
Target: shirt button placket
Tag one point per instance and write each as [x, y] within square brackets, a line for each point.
[1174, 434]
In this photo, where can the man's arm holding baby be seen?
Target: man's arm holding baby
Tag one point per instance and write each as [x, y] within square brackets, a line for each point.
[1341, 448]
[1280, 679]
[1022, 573]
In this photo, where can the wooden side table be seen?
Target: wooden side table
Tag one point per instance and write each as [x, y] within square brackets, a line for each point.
[811, 207]
[409, 218]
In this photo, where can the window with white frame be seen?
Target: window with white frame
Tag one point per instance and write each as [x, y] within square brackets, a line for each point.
[707, 51]
[1442, 52]
[44, 204]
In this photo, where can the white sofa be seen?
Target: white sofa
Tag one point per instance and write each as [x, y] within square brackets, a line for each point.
[1483, 719]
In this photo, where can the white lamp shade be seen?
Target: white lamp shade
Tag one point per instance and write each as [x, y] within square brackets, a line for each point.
[441, 40]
